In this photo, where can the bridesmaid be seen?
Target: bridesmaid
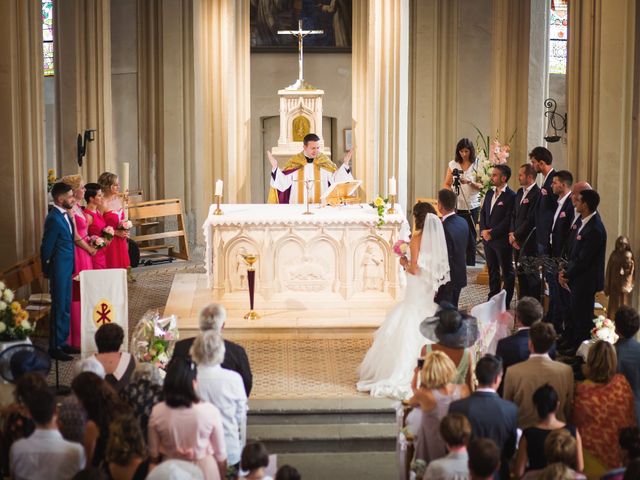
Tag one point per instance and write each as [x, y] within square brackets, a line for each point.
[83, 252]
[118, 251]
[94, 199]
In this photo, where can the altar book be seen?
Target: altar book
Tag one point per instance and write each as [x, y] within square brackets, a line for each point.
[341, 192]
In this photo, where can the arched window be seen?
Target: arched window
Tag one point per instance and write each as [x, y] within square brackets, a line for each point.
[47, 37]
[558, 19]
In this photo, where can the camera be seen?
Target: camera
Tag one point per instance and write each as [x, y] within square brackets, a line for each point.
[456, 172]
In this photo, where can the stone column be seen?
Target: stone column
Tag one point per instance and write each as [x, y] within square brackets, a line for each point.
[538, 72]
[22, 162]
[510, 75]
[221, 99]
[83, 84]
[380, 83]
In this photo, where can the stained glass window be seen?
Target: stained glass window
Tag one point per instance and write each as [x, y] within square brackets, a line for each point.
[47, 37]
[558, 20]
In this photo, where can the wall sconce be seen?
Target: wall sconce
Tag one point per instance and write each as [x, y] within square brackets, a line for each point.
[89, 136]
[554, 117]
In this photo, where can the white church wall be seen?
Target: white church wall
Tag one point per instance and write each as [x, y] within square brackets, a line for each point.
[271, 72]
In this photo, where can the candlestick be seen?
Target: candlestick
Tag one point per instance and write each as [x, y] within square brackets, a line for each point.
[124, 181]
[218, 211]
[392, 201]
[218, 191]
[393, 188]
[250, 259]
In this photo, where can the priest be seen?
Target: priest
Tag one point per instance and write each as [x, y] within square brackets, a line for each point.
[289, 185]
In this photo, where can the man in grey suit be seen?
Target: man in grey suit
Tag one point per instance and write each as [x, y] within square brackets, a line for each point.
[524, 378]
[628, 350]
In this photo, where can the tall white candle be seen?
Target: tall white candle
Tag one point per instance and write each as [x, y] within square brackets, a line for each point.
[218, 188]
[124, 180]
[393, 190]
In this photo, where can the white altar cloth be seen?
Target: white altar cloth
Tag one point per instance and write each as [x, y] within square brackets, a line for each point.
[336, 258]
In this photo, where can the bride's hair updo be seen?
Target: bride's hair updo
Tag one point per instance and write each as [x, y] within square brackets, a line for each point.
[420, 211]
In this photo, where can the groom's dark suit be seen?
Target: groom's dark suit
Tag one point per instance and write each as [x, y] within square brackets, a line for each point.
[457, 236]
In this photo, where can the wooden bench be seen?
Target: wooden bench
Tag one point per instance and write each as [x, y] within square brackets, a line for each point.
[28, 274]
[151, 214]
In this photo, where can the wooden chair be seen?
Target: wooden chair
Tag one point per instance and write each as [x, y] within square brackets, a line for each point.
[151, 214]
[28, 273]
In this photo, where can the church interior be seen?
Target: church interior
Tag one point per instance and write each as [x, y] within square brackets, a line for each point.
[186, 101]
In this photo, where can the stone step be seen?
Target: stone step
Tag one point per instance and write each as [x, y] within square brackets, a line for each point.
[342, 466]
[325, 438]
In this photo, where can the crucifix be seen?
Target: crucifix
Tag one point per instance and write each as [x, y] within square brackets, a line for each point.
[300, 84]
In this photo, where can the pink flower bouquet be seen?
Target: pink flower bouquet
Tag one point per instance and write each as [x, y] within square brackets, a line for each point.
[108, 232]
[97, 242]
[400, 248]
[125, 225]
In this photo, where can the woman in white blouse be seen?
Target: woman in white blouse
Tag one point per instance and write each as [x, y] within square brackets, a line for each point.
[465, 166]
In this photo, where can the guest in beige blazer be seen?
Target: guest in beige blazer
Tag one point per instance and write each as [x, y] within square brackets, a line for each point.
[523, 379]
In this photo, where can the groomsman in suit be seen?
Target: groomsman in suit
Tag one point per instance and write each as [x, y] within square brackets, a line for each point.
[523, 222]
[56, 253]
[489, 415]
[541, 159]
[495, 221]
[559, 298]
[584, 275]
[458, 236]
[575, 190]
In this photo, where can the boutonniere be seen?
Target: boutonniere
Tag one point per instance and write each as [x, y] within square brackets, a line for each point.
[579, 237]
[543, 191]
[574, 227]
[563, 214]
[526, 200]
[500, 203]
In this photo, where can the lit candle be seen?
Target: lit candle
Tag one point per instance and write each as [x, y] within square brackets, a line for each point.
[124, 181]
[392, 186]
[218, 188]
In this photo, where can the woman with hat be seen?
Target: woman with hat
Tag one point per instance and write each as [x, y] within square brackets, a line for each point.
[453, 333]
[387, 369]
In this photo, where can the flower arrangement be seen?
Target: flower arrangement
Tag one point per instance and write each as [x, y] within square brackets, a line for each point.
[125, 225]
[97, 242]
[153, 339]
[380, 204]
[400, 248]
[14, 321]
[51, 179]
[490, 152]
[604, 329]
[108, 232]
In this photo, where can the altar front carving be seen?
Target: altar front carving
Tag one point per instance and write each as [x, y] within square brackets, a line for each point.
[336, 258]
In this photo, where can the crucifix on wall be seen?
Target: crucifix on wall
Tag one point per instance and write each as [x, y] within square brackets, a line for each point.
[300, 84]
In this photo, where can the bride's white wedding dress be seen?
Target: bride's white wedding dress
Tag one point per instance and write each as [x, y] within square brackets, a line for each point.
[387, 368]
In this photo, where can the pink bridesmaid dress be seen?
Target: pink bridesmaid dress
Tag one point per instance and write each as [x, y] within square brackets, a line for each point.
[82, 261]
[118, 250]
[100, 258]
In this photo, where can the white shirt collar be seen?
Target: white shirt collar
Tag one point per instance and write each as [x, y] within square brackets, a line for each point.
[444, 217]
[528, 189]
[523, 328]
[547, 175]
[541, 355]
[585, 220]
[486, 390]
[60, 209]
[563, 199]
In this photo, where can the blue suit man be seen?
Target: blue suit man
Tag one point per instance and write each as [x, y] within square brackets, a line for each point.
[56, 253]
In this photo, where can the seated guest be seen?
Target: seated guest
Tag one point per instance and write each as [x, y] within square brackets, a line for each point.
[603, 405]
[629, 440]
[560, 447]
[44, 454]
[435, 394]
[453, 333]
[102, 405]
[224, 389]
[126, 456]
[628, 350]
[490, 416]
[143, 392]
[456, 431]
[255, 459]
[556, 471]
[287, 472]
[118, 365]
[531, 448]
[524, 378]
[176, 470]
[212, 317]
[484, 459]
[185, 428]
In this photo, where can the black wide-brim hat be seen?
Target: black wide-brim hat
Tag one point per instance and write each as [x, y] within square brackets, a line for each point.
[23, 358]
[450, 327]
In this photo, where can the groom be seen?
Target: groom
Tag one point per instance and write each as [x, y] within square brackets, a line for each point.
[458, 236]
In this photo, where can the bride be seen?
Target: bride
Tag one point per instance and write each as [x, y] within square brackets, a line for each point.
[387, 368]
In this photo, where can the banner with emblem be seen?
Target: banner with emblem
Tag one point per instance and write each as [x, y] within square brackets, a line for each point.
[103, 299]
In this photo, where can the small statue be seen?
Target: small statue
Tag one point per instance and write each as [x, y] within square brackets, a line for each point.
[618, 282]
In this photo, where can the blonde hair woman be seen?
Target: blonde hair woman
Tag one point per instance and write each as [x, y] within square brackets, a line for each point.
[118, 251]
[434, 395]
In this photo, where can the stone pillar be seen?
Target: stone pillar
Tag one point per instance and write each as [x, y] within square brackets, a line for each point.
[600, 92]
[538, 73]
[83, 84]
[22, 165]
[510, 76]
[221, 96]
[380, 83]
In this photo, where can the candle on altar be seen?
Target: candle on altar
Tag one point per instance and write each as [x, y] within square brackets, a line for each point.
[218, 188]
[124, 180]
[393, 189]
